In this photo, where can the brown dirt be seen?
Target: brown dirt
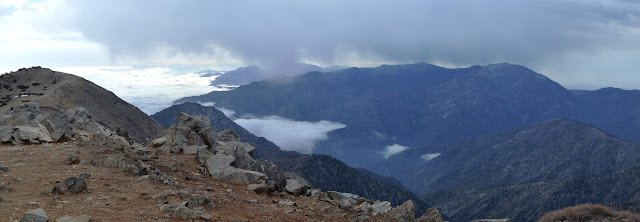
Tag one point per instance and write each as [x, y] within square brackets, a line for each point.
[114, 195]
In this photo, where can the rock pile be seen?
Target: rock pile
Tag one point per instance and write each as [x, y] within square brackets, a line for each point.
[28, 124]
[224, 157]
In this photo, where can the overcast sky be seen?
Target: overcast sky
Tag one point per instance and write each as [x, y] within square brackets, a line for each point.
[579, 43]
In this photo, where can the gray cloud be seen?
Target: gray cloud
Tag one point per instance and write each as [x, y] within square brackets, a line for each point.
[538, 34]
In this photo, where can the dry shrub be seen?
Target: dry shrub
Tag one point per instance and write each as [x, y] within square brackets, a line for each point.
[588, 212]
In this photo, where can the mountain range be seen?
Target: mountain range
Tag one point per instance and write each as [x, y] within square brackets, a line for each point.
[420, 105]
[485, 141]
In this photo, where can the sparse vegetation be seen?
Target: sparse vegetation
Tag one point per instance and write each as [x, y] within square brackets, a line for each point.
[589, 212]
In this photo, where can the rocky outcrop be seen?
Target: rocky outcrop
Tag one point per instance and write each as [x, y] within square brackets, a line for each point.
[404, 212]
[431, 215]
[28, 124]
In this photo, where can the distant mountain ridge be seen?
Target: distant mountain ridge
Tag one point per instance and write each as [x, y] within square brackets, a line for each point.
[549, 151]
[413, 105]
[248, 74]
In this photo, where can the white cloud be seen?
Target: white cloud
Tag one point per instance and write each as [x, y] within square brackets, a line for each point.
[150, 89]
[430, 156]
[290, 135]
[393, 150]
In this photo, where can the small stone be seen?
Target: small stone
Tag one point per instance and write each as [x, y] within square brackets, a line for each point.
[251, 201]
[81, 218]
[72, 159]
[4, 169]
[275, 200]
[37, 215]
[287, 203]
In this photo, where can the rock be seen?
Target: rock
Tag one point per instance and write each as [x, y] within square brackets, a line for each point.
[81, 218]
[227, 136]
[180, 211]
[31, 134]
[72, 185]
[4, 169]
[202, 200]
[273, 172]
[364, 206]
[37, 215]
[315, 193]
[194, 139]
[72, 159]
[217, 163]
[179, 141]
[202, 155]
[381, 207]
[287, 203]
[337, 196]
[361, 218]
[191, 150]
[262, 188]
[297, 186]
[6, 133]
[116, 161]
[431, 215]
[243, 153]
[240, 176]
[140, 169]
[194, 123]
[208, 136]
[159, 142]
[404, 212]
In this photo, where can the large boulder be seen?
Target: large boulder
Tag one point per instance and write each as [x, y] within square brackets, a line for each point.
[273, 172]
[31, 134]
[195, 123]
[243, 153]
[296, 185]
[404, 212]
[37, 215]
[219, 167]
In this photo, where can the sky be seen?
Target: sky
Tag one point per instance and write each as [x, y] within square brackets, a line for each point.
[583, 44]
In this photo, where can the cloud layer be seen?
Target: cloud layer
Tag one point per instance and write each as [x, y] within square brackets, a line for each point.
[150, 89]
[581, 43]
[288, 134]
[393, 150]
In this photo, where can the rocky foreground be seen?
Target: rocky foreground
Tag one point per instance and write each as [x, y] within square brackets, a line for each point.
[64, 166]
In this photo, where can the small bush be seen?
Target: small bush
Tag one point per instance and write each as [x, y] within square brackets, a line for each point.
[588, 212]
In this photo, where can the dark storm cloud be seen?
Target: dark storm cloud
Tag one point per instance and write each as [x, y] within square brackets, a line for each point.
[451, 32]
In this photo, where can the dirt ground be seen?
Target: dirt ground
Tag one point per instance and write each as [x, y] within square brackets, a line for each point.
[114, 195]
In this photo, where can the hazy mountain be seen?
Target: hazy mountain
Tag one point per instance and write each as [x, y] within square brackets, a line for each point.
[248, 74]
[61, 91]
[616, 111]
[548, 151]
[413, 105]
[527, 202]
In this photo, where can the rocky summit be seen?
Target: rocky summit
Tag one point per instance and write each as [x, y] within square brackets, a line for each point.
[61, 163]
[61, 93]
